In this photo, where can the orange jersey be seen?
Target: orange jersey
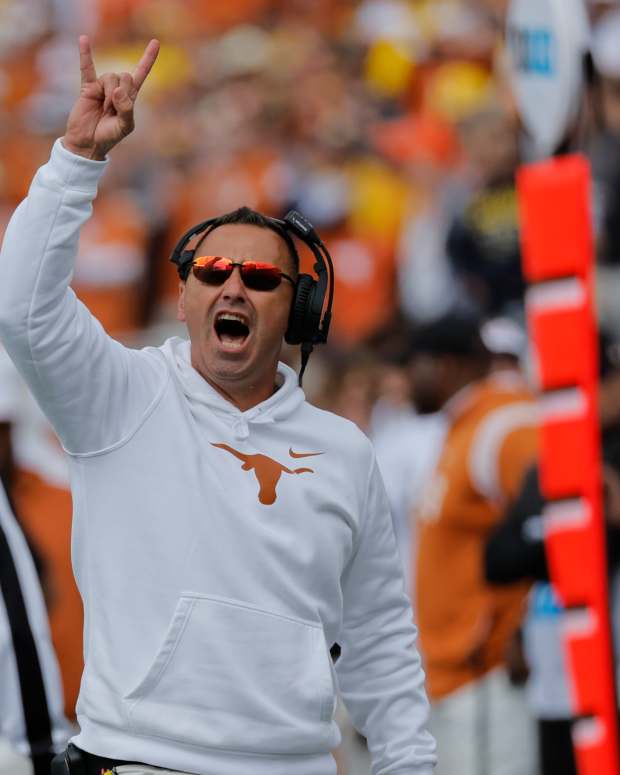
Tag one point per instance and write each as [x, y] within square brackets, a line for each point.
[45, 511]
[465, 624]
[364, 276]
[111, 263]
[42, 500]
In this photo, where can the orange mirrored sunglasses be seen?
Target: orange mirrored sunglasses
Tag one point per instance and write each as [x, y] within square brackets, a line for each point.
[257, 275]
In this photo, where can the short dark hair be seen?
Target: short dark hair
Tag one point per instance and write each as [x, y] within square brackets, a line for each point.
[245, 215]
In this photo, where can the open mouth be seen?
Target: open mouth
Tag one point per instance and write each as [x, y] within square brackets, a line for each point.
[231, 329]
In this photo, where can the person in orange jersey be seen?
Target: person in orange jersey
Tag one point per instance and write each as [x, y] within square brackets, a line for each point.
[39, 491]
[478, 716]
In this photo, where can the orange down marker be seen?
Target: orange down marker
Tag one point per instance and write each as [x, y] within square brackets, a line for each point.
[558, 263]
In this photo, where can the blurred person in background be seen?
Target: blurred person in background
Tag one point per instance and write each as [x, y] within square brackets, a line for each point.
[427, 283]
[112, 265]
[480, 719]
[32, 725]
[407, 443]
[38, 488]
[349, 389]
[106, 400]
[462, 188]
[483, 239]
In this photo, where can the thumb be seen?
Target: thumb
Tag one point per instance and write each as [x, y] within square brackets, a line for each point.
[123, 105]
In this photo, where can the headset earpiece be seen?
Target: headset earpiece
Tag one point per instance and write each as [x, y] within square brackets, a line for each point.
[307, 323]
[303, 322]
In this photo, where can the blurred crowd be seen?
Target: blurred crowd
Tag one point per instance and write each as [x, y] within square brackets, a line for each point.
[390, 124]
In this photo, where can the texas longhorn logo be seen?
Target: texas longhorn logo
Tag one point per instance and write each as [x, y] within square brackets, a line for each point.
[267, 470]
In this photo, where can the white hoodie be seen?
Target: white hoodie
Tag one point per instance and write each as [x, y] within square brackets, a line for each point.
[219, 553]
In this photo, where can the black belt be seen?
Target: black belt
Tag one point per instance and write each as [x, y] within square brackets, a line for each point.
[75, 761]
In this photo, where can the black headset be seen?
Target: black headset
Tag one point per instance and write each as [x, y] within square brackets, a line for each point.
[307, 324]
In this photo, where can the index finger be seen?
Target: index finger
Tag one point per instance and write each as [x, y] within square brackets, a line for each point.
[87, 66]
[143, 68]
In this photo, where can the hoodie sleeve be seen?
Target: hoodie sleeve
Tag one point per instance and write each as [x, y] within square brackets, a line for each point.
[93, 389]
[379, 672]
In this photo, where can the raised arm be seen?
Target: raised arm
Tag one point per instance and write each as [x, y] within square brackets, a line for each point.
[90, 387]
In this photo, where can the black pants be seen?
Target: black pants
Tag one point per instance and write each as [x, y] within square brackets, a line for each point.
[556, 748]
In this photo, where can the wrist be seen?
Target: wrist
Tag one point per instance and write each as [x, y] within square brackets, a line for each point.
[92, 152]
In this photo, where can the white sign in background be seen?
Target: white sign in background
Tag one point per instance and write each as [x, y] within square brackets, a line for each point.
[547, 41]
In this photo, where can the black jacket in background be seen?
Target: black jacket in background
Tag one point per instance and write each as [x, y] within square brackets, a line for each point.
[516, 550]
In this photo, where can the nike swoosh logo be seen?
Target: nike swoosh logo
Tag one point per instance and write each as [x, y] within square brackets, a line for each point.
[303, 454]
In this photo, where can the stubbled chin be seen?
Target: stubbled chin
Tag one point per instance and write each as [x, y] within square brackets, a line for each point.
[223, 370]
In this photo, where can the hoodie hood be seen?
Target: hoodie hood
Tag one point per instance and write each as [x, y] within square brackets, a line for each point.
[203, 397]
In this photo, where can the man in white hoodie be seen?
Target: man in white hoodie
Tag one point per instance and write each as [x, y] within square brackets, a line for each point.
[226, 533]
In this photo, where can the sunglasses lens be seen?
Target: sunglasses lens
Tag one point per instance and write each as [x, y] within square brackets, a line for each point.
[260, 277]
[213, 271]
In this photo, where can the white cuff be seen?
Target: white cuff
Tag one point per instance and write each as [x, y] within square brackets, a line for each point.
[75, 171]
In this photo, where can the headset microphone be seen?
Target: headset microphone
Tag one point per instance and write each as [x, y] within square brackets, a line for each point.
[308, 325]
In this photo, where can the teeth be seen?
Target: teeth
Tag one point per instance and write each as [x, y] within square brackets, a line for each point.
[231, 316]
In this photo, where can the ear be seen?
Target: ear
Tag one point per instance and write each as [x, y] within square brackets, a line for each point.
[181, 302]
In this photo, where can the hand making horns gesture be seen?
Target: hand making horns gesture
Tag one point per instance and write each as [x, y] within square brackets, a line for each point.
[103, 113]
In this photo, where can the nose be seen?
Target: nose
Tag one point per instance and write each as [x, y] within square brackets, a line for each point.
[233, 288]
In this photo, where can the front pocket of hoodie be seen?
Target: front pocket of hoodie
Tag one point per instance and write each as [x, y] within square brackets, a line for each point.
[235, 677]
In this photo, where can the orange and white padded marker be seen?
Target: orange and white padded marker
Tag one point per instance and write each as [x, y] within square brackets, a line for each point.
[558, 263]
